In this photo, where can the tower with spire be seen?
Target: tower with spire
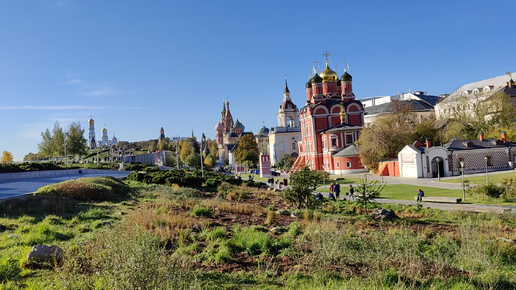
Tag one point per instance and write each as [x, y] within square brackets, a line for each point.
[91, 136]
[283, 139]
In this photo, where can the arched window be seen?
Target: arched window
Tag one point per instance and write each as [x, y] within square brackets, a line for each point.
[333, 141]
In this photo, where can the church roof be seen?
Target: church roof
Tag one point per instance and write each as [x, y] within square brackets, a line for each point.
[341, 127]
[232, 135]
[351, 150]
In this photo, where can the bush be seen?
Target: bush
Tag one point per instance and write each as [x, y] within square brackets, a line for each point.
[90, 188]
[199, 211]
[487, 190]
[251, 240]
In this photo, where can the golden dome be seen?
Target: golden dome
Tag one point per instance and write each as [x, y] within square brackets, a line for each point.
[104, 130]
[328, 75]
[90, 121]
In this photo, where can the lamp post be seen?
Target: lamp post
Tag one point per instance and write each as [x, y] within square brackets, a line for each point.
[177, 153]
[463, 189]
[438, 169]
[203, 138]
[487, 175]
[64, 144]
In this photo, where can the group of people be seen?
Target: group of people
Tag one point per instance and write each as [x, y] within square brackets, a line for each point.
[279, 183]
[335, 192]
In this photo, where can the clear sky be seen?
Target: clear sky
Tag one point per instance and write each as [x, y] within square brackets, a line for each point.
[139, 65]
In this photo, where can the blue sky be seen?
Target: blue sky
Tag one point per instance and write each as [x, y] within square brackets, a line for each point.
[140, 65]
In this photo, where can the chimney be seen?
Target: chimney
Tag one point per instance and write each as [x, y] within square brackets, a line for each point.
[481, 136]
[504, 137]
[428, 143]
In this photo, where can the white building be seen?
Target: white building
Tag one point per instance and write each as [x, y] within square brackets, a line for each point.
[467, 97]
[478, 156]
[283, 139]
[421, 104]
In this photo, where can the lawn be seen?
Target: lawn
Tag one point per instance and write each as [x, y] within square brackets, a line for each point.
[493, 178]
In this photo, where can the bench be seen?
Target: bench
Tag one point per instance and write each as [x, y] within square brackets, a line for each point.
[440, 199]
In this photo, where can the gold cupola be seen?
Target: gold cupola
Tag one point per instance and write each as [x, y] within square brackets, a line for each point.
[329, 75]
[90, 121]
[104, 130]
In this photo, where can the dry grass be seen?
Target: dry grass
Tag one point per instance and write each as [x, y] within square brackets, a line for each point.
[271, 216]
[168, 224]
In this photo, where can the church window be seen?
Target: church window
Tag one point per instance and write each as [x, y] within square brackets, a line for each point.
[348, 164]
[333, 141]
[349, 139]
[293, 145]
[338, 164]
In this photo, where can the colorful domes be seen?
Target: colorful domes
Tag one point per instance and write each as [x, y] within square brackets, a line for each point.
[329, 75]
[346, 77]
[317, 79]
[219, 126]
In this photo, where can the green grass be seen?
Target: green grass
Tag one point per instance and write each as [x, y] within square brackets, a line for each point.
[407, 192]
[493, 178]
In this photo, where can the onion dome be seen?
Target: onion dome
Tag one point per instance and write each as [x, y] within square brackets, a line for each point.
[346, 77]
[90, 121]
[308, 84]
[237, 124]
[219, 126]
[329, 75]
[264, 131]
[104, 130]
[317, 79]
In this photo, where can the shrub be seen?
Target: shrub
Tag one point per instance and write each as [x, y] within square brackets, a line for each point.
[78, 190]
[250, 240]
[271, 216]
[9, 269]
[487, 190]
[294, 229]
[199, 211]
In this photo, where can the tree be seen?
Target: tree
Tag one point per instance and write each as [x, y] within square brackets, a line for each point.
[469, 115]
[193, 160]
[286, 162]
[304, 183]
[368, 190]
[75, 141]
[391, 132]
[247, 150]
[186, 149]
[7, 157]
[32, 157]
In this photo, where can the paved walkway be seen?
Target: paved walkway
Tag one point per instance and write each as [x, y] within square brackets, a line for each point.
[15, 188]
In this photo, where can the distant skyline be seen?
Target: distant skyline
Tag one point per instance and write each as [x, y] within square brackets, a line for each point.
[137, 66]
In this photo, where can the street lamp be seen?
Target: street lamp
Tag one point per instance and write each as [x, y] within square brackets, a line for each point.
[487, 175]
[64, 144]
[438, 169]
[177, 153]
[203, 138]
[463, 189]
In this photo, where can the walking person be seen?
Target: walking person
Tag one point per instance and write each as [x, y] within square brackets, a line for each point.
[285, 182]
[331, 188]
[336, 189]
[351, 193]
[420, 195]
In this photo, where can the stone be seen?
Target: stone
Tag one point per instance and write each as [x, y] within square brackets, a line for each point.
[294, 215]
[196, 228]
[511, 241]
[383, 214]
[42, 254]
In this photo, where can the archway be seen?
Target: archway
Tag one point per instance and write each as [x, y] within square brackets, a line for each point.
[437, 167]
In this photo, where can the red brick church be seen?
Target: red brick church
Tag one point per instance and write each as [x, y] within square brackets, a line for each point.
[331, 122]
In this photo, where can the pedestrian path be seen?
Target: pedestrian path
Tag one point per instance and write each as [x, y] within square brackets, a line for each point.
[14, 188]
